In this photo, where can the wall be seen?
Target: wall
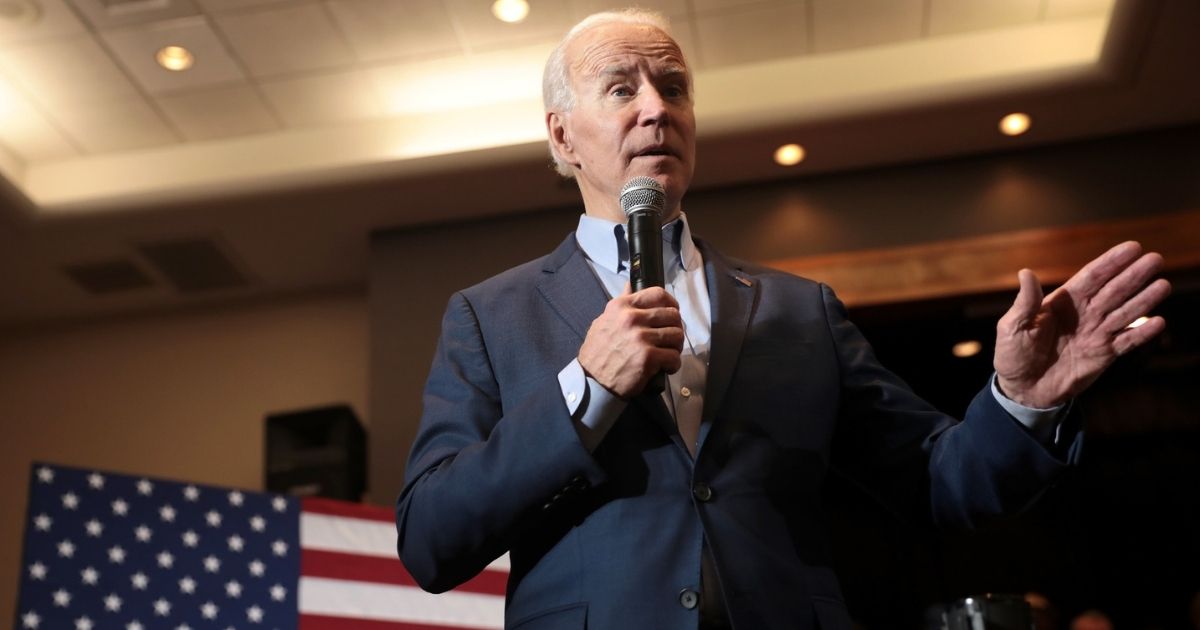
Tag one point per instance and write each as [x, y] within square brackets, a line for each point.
[179, 395]
[413, 272]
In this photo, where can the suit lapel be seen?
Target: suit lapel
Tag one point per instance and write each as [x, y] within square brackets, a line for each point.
[733, 295]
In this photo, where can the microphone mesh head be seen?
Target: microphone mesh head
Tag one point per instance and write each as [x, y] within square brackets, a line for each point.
[643, 193]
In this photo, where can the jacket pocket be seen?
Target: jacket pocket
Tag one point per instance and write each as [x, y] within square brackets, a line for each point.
[566, 617]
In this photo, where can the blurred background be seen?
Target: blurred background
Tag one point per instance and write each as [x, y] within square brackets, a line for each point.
[215, 211]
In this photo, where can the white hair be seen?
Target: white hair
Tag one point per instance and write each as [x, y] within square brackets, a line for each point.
[557, 94]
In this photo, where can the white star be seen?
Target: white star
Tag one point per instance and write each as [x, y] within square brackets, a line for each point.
[70, 501]
[37, 571]
[236, 543]
[96, 480]
[45, 475]
[144, 487]
[31, 619]
[278, 593]
[42, 522]
[187, 585]
[254, 614]
[258, 523]
[279, 503]
[257, 568]
[139, 581]
[209, 610]
[235, 498]
[83, 623]
[279, 548]
[94, 528]
[143, 533]
[112, 603]
[212, 564]
[120, 507]
[233, 589]
[90, 576]
[165, 559]
[162, 607]
[167, 513]
[183, 626]
[116, 554]
[190, 538]
[191, 493]
[66, 549]
[62, 598]
[133, 625]
[213, 518]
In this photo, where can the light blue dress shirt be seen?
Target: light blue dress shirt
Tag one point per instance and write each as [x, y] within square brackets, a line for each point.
[594, 409]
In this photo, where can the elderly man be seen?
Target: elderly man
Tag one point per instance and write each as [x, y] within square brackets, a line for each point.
[698, 506]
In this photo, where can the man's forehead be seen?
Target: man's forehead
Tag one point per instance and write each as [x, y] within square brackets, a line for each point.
[616, 47]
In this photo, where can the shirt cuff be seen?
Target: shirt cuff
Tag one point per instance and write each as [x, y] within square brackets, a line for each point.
[1044, 424]
[593, 408]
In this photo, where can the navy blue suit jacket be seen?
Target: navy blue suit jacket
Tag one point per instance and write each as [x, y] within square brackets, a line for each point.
[609, 539]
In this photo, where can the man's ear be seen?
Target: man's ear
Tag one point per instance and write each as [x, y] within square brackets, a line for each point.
[560, 138]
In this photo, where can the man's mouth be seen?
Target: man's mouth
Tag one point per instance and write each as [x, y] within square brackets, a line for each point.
[655, 151]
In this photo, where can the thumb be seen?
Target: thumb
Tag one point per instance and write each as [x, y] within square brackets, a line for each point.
[628, 290]
[1029, 298]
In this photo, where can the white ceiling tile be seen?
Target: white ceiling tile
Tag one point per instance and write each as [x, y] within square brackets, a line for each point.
[116, 126]
[386, 29]
[323, 99]
[136, 48]
[64, 72]
[52, 18]
[1066, 9]
[25, 131]
[282, 40]
[961, 16]
[216, 6]
[844, 24]
[218, 113]
[670, 8]
[109, 14]
[754, 34]
[481, 29]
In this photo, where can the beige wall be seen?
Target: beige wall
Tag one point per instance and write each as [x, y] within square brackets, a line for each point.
[179, 395]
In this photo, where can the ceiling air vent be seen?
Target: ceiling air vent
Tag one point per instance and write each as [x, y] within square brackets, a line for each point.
[104, 277]
[193, 265]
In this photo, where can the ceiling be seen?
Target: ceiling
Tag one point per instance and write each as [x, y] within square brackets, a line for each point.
[306, 124]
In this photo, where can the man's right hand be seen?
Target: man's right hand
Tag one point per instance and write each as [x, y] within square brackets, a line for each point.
[637, 336]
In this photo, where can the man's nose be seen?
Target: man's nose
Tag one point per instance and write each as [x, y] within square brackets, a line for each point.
[652, 107]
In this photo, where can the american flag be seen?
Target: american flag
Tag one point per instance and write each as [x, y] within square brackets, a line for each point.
[105, 550]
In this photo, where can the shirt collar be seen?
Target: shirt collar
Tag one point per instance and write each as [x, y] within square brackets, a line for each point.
[605, 243]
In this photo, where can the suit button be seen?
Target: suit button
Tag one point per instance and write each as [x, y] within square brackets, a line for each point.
[702, 492]
[688, 598]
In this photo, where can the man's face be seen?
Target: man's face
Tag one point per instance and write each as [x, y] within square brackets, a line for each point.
[632, 116]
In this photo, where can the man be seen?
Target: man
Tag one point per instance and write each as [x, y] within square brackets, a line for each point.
[699, 507]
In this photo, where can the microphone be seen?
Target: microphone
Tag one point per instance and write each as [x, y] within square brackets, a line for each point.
[643, 200]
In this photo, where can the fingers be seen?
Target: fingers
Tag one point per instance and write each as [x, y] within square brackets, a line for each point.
[652, 297]
[1089, 280]
[1131, 338]
[1137, 306]
[1128, 282]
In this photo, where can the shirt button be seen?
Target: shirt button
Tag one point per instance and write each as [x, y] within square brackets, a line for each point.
[571, 397]
[688, 598]
[702, 492]
[685, 392]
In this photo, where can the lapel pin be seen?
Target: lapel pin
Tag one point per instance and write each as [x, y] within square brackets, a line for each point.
[745, 281]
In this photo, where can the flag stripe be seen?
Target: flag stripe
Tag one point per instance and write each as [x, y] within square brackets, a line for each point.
[344, 566]
[326, 622]
[330, 507]
[380, 602]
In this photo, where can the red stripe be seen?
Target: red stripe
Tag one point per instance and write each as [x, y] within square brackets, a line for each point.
[322, 622]
[346, 566]
[352, 510]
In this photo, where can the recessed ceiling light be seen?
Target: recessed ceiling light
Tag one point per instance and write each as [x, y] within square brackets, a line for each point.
[1014, 124]
[174, 58]
[964, 349]
[511, 11]
[789, 155]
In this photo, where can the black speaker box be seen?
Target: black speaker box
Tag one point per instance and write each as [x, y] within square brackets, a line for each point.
[318, 452]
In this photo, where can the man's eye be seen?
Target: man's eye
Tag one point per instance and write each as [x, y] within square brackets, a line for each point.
[621, 91]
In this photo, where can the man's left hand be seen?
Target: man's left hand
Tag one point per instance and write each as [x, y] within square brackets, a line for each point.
[1049, 349]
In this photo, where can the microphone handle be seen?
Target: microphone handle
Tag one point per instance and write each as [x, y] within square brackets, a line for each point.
[646, 266]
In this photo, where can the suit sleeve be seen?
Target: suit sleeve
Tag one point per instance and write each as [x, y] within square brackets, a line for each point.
[482, 468]
[923, 463]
